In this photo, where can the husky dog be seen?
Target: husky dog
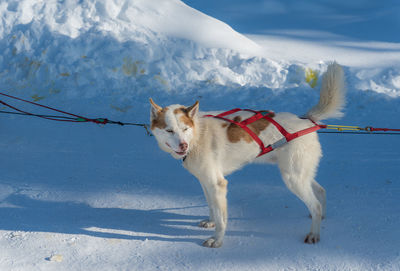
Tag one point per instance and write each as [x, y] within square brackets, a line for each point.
[212, 148]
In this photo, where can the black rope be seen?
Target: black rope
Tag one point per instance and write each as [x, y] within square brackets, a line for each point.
[37, 115]
[145, 126]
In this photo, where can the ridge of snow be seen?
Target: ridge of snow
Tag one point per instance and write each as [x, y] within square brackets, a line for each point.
[123, 19]
[132, 47]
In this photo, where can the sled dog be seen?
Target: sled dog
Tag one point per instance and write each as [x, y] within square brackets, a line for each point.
[212, 148]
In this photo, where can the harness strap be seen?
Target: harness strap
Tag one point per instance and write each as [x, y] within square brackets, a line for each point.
[287, 137]
[290, 136]
[227, 113]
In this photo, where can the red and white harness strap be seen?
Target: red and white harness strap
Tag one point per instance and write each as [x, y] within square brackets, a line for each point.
[287, 137]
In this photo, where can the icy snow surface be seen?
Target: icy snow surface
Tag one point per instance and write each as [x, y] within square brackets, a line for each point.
[92, 197]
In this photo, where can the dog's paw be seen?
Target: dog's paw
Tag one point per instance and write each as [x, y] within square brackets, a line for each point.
[311, 238]
[212, 243]
[207, 224]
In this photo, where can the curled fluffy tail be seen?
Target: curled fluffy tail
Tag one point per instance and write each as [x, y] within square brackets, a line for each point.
[332, 95]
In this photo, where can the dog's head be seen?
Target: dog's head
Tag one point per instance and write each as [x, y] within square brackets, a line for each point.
[174, 127]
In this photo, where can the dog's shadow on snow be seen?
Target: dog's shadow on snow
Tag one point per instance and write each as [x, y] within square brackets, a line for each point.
[23, 213]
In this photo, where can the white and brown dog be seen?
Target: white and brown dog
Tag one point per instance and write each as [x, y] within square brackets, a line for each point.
[212, 148]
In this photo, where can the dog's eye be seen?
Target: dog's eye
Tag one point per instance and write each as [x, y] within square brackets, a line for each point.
[170, 131]
[185, 129]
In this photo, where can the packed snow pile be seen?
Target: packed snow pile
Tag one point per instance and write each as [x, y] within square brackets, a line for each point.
[129, 48]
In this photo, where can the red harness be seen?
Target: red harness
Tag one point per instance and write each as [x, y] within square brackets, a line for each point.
[287, 137]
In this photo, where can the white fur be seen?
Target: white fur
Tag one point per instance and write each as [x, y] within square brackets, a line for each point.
[332, 95]
[211, 156]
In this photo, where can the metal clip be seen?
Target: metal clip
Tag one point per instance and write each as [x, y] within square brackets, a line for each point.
[279, 143]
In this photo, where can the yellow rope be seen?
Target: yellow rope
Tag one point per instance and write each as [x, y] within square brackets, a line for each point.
[344, 128]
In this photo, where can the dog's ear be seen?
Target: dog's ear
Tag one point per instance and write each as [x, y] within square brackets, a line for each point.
[155, 108]
[192, 110]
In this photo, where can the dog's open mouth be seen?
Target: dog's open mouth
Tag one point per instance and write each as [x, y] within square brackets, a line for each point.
[182, 153]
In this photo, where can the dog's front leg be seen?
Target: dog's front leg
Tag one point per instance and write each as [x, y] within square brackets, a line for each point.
[210, 222]
[216, 191]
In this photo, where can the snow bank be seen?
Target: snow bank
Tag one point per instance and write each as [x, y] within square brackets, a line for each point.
[124, 19]
[126, 47]
[129, 50]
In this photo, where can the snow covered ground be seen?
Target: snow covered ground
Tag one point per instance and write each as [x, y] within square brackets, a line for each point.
[92, 197]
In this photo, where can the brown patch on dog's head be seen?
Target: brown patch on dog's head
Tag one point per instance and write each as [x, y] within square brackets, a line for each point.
[187, 121]
[188, 113]
[185, 118]
[236, 133]
[157, 116]
[158, 121]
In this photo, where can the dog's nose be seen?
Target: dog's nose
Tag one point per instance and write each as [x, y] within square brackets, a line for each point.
[183, 146]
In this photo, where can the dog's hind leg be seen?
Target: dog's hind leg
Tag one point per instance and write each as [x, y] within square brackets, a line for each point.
[298, 168]
[320, 193]
[303, 190]
[217, 190]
